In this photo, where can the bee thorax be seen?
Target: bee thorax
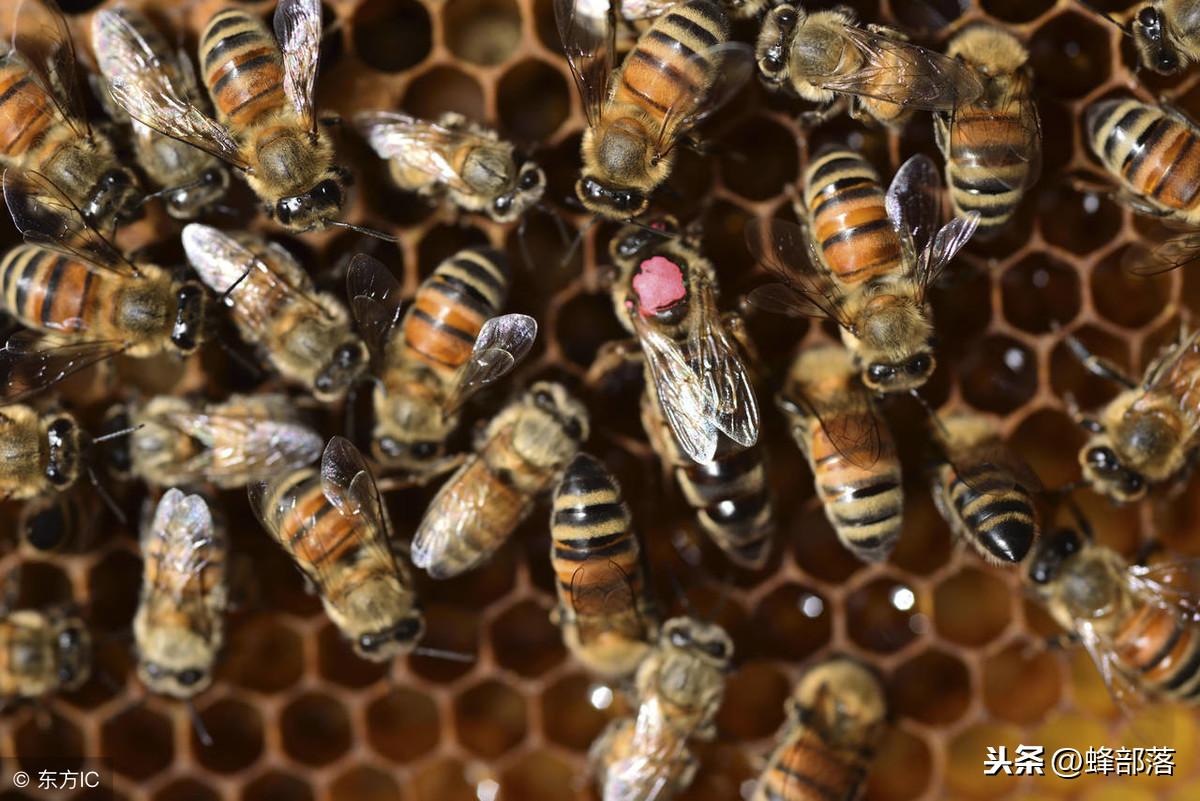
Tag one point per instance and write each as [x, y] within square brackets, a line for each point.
[622, 151]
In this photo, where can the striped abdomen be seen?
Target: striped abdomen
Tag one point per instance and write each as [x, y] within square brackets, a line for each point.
[242, 67]
[992, 513]
[30, 131]
[864, 506]
[807, 768]
[53, 292]
[1161, 651]
[451, 307]
[844, 204]
[163, 556]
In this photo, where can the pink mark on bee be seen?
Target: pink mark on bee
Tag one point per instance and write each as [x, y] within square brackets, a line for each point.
[658, 285]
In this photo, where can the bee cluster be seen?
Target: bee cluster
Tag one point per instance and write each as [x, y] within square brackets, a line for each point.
[731, 400]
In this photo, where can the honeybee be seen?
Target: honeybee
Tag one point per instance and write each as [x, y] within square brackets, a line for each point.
[849, 449]
[870, 261]
[983, 490]
[40, 453]
[1165, 33]
[262, 87]
[607, 619]
[192, 180]
[303, 334]
[63, 522]
[835, 719]
[334, 527]
[522, 453]
[681, 69]
[1146, 435]
[179, 626]
[448, 345]
[42, 653]
[680, 685]
[43, 126]
[827, 58]
[699, 409]
[457, 158]
[180, 441]
[1138, 623]
[993, 144]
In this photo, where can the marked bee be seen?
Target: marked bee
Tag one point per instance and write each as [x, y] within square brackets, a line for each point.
[334, 527]
[40, 453]
[699, 409]
[984, 490]
[606, 616]
[828, 58]
[179, 626]
[849, 449]
[449, 344]
[191, 180]
[681, 70]
[262, 87]
[522, 453]
[43, 126]
[455, 157]
[993, 144]
[864, 260]
[303, 334]
[1146, 435]
[180, 441]
[680, 686]
[835, 719]
[42, 653]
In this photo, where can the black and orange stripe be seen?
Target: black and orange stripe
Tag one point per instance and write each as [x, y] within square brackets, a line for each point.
[242, 67]
[807, 767]
[50, 291]
[1161, 650]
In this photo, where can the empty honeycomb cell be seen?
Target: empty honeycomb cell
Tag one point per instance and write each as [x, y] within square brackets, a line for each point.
[315, 729]
[881, 616]
[392, 35]
[538, 776]
[928, 17]
[525, 641]
[573, 710]
[442, 241]
[364, 783]
[448, 628]
[1070, 55]
[534, 100]
[999, 374]
[443, 89]
[1017, 10]
[933, 687]
[1080, 221]
[48, 741]
[966, 753]
[38, 585]
[962, 302]
[112, 661]
[541, 249]
[403, 724]
[236, 731]
[972, 607]
[186, 789]
[445, 780]
[333, 42]
[753, 705]
[903, 766]
[1040, 291]
[586, 323]
[1049, 442]
[817, 547]
[792, 622]
[138, 741]
[337, 661]
[1021, 683]
[489, 718]
[113, 587]
[924, 544]
[483, 32]
[1069, 378]
[277, 786]
[1126, 299]
[772, 150]
[263, 654]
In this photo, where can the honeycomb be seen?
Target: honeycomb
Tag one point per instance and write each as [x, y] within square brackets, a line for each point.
[294, 715]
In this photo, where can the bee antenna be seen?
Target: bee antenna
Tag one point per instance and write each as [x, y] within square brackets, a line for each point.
[114, 434]
[166, 190]
[933, 415]
[680, 593]
[439, 653]
[570, 254]
[1108, 17]
[198, 725]
[550, 212]
[722, 600]
[364, 230]
[104, 496]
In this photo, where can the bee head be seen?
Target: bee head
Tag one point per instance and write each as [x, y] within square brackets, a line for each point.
[774, 41]
[1052, 553]
[400, 638]
[74, 649]
[187, 201]
[63, 445]
[191, 306]
[708, 641]
[114, 196]
[314, 208]
[345, 365]
[633, 239]
[1155, 50]
[554, 400]
[1102, 468]
[184, 681]
[610, 202]
[527, 190]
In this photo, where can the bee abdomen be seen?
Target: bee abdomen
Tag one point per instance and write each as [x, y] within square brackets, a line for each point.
[27, 113]
[1156, 154]
[987, 172]
[1163, 651]
[809, 770]
[242, 66]
[867, 515]
[1001, 526]
[47, 290]
[733, 504]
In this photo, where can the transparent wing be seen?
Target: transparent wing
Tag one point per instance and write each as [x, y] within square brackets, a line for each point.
[1176, 252]
[42, 41]
[945, 246]
[992, 469]
[703, 83]
[29, 363]
[348, 484]
[601, 592]
[184, 524]
[298, 29]
[722, 372]
[458, 506]
[244, 448]
[806, 289]
[896, 71]
[417, 144]
[1126, 695]
[1172, 585]
[501, 345]
[1173, 373]
[654, 757]
[913, 200]
[1013, 118]
[852, 426]
[375, 300]
[590, 48]
[140, 83]
[686, 403]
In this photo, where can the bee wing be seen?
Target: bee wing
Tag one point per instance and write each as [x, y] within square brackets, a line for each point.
[853, 428]
[247, 447]
[969, 150]
[298, 29]
[805, 290]
[1172, 585]
[731, 65]
[45, 216]
[1178, 251]
[723, 372]
[140, 83]
[590, 45]
[501, 345]
[900, 72]
[348, 484]
[592, 602]
[417, 144]
[942, 250]
[456, 508]
[1125, 693]
[42, 40]
[29, 362]
[1173, 371]
[686, 402]
[645, 773]
[375, 300]
[185, 525]
[992, 469]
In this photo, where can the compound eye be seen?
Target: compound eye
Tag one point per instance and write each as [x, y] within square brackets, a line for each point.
[1148, 17]
[112, 178]
[346, 356]
[68, 638]
[390, 446]
[323, 383]
[529, 179]
[502, 204]
[368, 642]
[1167, 62]
[573, 429]
[715, 649]
[1133, 483]
[592, 189]
[424, 450]
[544, 399]
[327, 192]
[406, 629]
[880, 372]
[189, 677]
[786, 18]
[773, 62]
[680, 638]
[918, 365]
[626, 201]
[153, 670]
[211, 177]
[1102, 459]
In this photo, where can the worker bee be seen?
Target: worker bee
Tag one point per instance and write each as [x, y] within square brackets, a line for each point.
[180, 441]
[1138, 623]
[334, 527]
[192, 180]
[835, 719]
[993, 144]
[448, 345]
[1146, 435]
[827, 58]
[179, 625]
[522, 453]
[303, 334]
[457, 158]
[262, 87]
[62, 522]
[606, 616]
[40, 453]
[849, 449]
[681, 69]
[870, 261]
[42, 653]
[43, 126]
[983, 490]
[1165, 33]
[680, 686]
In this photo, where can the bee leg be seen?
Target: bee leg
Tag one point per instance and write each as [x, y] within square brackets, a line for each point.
[821, 114]
[611, 357]
[1098, 365]
[1146, 550]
